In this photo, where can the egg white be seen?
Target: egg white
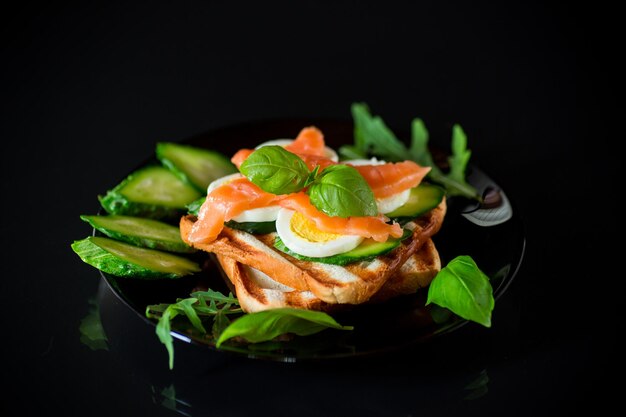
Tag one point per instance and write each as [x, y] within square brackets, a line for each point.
[261, 214]
[328, 152]
[387, 204]
[303, 246]
[371, 161]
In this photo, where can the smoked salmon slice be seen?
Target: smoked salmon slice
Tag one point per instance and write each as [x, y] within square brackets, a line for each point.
[310, 141]
[240, 157]
[392, 178]
[374, 227]
[224, 203]
[308, 145]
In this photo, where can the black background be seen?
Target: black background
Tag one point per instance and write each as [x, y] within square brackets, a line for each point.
[88, 91]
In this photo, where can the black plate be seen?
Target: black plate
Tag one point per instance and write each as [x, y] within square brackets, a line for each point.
[498, 249]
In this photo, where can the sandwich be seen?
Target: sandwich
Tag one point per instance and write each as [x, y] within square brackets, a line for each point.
[297, 228]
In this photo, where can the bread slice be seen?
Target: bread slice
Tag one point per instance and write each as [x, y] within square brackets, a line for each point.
[350, 284]
[256, 291]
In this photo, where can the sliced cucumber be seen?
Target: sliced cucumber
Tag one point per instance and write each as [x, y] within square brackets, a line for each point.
[195, 166]
[125, 260]
[423, 198]
[256, 228]
[153, 192]
[366, 251]
[140, 232]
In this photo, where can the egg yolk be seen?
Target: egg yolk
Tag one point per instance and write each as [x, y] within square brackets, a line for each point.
[306, 229]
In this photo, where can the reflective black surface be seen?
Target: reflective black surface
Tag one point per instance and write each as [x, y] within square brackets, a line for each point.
[405, 321]
[87, 91]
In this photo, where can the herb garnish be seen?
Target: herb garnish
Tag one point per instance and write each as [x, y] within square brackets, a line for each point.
[268, 324]
[194, 308]
[373, 137]
[464, 289]
[253, 327]
[341, 191]
[337, 190]
[275, 170]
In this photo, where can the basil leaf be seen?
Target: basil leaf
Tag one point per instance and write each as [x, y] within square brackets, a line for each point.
[312, 176]
[268, 324]
[341, 191]
[464, 289]
[275, 170]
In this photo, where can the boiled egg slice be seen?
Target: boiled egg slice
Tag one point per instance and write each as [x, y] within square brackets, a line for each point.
[302, 236]
[261, 214]
[328, 152]
[387, 204]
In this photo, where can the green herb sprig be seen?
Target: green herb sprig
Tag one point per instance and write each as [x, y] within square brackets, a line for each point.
[372, 137]
[253, 327]
[201, 304]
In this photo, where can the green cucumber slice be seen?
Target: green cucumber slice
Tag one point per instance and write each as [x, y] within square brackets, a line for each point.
[125, 260]
[366, 251]
[140, 231]
[255, 228]
[423, 198]
[196, 166]
[153, 192]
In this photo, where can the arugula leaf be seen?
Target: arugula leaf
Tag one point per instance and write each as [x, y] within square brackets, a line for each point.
[275, 170]
[351, 152]
[215, 296]
[163, 330]
[419, 145]
[193, 307]
[460, 155]
[194, 206]
[464, 289]
[373, 137]
[341, 191]
[220, 323]
[454, 181]
[268, 324]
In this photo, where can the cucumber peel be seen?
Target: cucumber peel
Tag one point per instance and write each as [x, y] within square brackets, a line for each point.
[125, 260]
[366, 251]
[196, 166]
[140, 231]
[153, 192]
[422, 199]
